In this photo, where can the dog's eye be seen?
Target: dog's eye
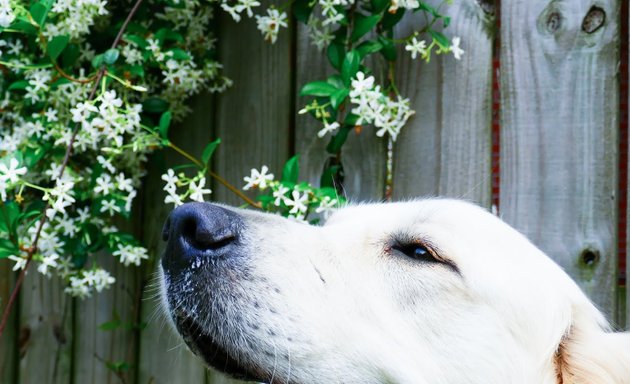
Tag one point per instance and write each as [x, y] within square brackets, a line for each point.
[416, 251]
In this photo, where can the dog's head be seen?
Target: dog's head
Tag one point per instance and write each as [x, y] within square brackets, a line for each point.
[435, 291]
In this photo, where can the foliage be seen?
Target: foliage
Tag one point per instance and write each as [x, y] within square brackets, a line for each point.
[83, 106]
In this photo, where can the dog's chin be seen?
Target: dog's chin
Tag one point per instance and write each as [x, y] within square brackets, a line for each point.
[213, 354]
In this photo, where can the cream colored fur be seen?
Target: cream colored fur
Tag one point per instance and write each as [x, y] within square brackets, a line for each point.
[334, 304]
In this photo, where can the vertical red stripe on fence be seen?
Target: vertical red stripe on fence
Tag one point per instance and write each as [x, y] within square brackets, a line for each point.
[496, 113]
[623, 145]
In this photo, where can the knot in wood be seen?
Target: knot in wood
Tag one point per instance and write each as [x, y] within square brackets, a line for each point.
[487, 6]
[589, 257]
[554, 21]
[594, 19]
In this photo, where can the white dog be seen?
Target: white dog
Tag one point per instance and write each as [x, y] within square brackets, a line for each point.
[435, 291]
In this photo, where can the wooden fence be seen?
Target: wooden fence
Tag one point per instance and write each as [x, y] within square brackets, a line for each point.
[530, 120]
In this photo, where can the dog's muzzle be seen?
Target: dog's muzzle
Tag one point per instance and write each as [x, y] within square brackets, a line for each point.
[195, 231]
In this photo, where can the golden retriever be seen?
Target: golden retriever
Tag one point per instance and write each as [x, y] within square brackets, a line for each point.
[431, 291]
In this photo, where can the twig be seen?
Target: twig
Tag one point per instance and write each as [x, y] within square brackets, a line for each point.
[29, 256]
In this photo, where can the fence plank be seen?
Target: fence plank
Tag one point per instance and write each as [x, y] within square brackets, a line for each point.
[93, 346]
[8, 341]
[45, 330]
[163, 357]
[445, 149]
[559, 135]
[254, 116]
[363, 155]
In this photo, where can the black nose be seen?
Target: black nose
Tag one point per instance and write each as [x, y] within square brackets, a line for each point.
[199, 230]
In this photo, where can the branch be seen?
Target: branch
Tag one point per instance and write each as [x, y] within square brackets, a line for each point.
[64, 165]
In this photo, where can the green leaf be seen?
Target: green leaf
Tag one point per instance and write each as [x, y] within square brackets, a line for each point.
[7, 248]
[155, 105]
[70, 55]
[23, 25]
[32, 155]
[336, 81]
[118, 366]
[302, 10]
[18, 85]
[291, 170]
[378, 6]
[165, 123]
[446, 21]
[427, 8]
[111, 55]
[337, 141]
[97, 61]
[391, 19]
[369, 47]
[57, 45]
[209, 150]
[363, 25]
[138, 40]
[318, 88]
[165, 34]
[39, 11]
[336, 52]
[338, 97]
[389, 49]
[351, 119]
[439, 38]
[110, 325]
[9, 215]
[350, 66]
[179, 54]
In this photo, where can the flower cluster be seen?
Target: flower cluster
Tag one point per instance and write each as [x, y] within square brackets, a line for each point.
[374, 107]
[194, 187]
[269, 24]
[298, 201]
[50, 57]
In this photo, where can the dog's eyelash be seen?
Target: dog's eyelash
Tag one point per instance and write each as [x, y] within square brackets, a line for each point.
[416, 251]
[423, 253]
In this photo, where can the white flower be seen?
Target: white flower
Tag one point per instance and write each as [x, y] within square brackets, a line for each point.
[51, 115]
[20, 262]
[270, 25]
[174, 198]
[124, 184]
[6, 14]
[101, 279]
[416, 47]
[3, 189]
[327, 206]
[106, 163]
[62, 195]
[297, 202]
[258, 179]
[360, 84]
[129, 254]
[49, 261]
[280, 194]
[328, 128]
[79, 287]
[110, 206]
[11, 173]
[197, 190]
[457, 51]
[246, 5]
[171, 180]
[104, 184]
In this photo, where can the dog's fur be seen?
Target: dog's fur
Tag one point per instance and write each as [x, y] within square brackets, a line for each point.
[342, 303]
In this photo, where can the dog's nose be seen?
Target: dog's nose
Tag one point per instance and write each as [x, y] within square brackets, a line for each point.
[199, 230]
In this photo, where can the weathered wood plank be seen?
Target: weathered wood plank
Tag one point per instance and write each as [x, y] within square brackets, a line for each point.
[45, 330]
[9, 339]
[163, 358]
[559, 135]
[254, 116]
[445, 149]
[93, 346]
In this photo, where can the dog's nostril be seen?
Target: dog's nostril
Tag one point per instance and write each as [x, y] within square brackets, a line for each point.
[206, 237]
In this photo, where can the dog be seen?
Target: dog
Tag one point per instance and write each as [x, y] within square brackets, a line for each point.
[431, 291]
